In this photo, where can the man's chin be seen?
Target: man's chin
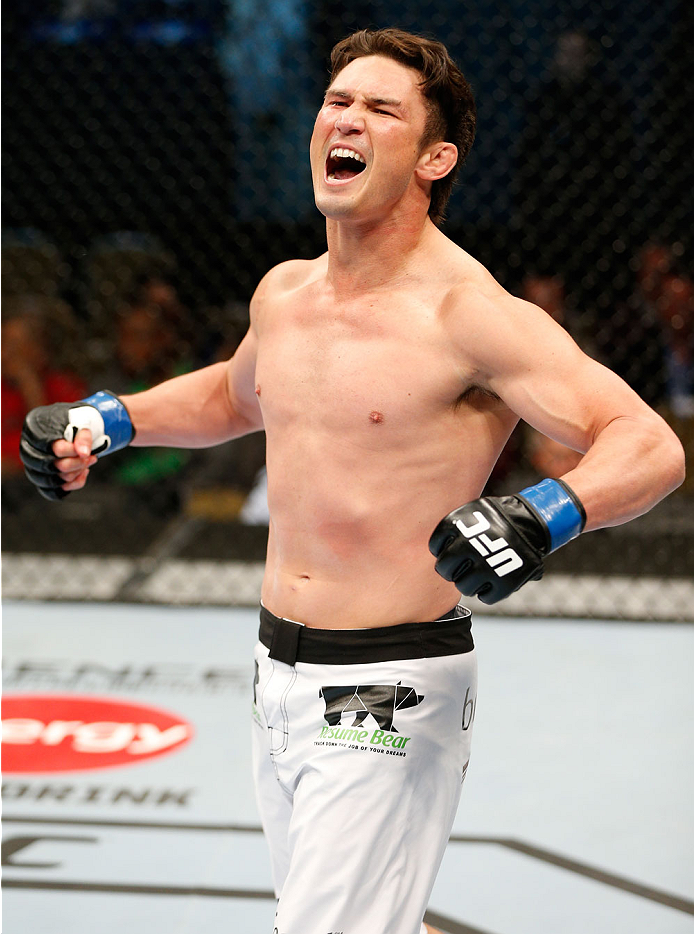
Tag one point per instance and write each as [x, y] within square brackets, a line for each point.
[335, 208]
[338, 205]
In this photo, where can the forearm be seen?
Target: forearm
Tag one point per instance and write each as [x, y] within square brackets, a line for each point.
[633, 463]
[191, 411]
[492, 546]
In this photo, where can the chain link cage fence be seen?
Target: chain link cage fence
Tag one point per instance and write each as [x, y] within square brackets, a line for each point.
[156, 167]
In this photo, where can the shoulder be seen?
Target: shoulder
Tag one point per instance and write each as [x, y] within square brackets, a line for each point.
[495, 330]
[475, 299]
[290, 275]
[281, 281]
[462, 280]
[473, 295]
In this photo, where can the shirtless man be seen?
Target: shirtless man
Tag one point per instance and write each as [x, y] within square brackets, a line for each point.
[388, 375]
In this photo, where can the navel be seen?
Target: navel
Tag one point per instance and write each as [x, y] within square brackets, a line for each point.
[375, 417]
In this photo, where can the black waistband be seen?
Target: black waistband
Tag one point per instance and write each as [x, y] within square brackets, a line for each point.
[291, 642]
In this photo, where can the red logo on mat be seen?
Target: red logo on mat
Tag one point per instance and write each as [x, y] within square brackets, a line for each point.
[49, 733]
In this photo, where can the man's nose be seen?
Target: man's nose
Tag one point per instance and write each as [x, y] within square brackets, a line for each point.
[349, 121]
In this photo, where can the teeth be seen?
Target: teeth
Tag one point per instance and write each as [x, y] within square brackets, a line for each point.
[346, 154]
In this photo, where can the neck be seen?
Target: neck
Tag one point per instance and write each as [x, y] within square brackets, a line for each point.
[364, 256]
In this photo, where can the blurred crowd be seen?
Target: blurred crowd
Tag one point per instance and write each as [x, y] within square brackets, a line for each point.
[575, 196]
[126, 329]
[647, 338]
[129, 328]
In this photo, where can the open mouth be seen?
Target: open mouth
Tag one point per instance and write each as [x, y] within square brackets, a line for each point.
[344, 164]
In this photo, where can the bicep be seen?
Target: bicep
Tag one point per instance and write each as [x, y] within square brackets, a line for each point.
[571, 405]
[547, 380]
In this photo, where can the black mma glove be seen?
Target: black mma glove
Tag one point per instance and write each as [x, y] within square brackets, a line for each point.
[103, 413]
[492, 546]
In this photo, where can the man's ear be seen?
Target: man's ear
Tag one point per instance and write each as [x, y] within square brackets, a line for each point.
[436, 161]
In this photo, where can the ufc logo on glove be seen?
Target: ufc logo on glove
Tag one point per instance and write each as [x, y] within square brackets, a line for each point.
[503, 562]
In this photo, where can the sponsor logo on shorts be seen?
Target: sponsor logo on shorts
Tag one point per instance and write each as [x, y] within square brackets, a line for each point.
[254, 705]
[380, 702]
[469, 709]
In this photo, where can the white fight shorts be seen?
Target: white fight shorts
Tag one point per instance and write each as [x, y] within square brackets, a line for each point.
[360, 745]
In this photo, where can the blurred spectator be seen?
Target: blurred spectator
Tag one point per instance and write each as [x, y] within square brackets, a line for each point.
[653, 263]
[33, 334]
[630, 338]
[265, 53]
[549, 293]
[226, 328]
[157, 289]
[149, 346]
[675, 304]
[147, 351]
[575, 175]
[238, 466]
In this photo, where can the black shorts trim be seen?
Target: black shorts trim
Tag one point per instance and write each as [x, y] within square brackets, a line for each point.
[291, 642]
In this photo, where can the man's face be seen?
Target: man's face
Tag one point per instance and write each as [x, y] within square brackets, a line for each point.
[367, 138]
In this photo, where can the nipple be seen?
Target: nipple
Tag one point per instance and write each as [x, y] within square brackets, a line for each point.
[376, 417]
[257, 390]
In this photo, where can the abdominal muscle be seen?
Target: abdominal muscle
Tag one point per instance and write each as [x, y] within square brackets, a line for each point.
[350, 526]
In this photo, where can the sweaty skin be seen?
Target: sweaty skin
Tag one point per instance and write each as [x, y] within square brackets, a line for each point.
[388, 374]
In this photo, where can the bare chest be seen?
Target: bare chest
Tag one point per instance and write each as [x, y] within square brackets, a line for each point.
[357, 366]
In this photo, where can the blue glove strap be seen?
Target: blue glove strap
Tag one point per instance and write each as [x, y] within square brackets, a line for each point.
[559, 508]
[117, 424]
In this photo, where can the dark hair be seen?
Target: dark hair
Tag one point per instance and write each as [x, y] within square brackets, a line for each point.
[451, 110]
